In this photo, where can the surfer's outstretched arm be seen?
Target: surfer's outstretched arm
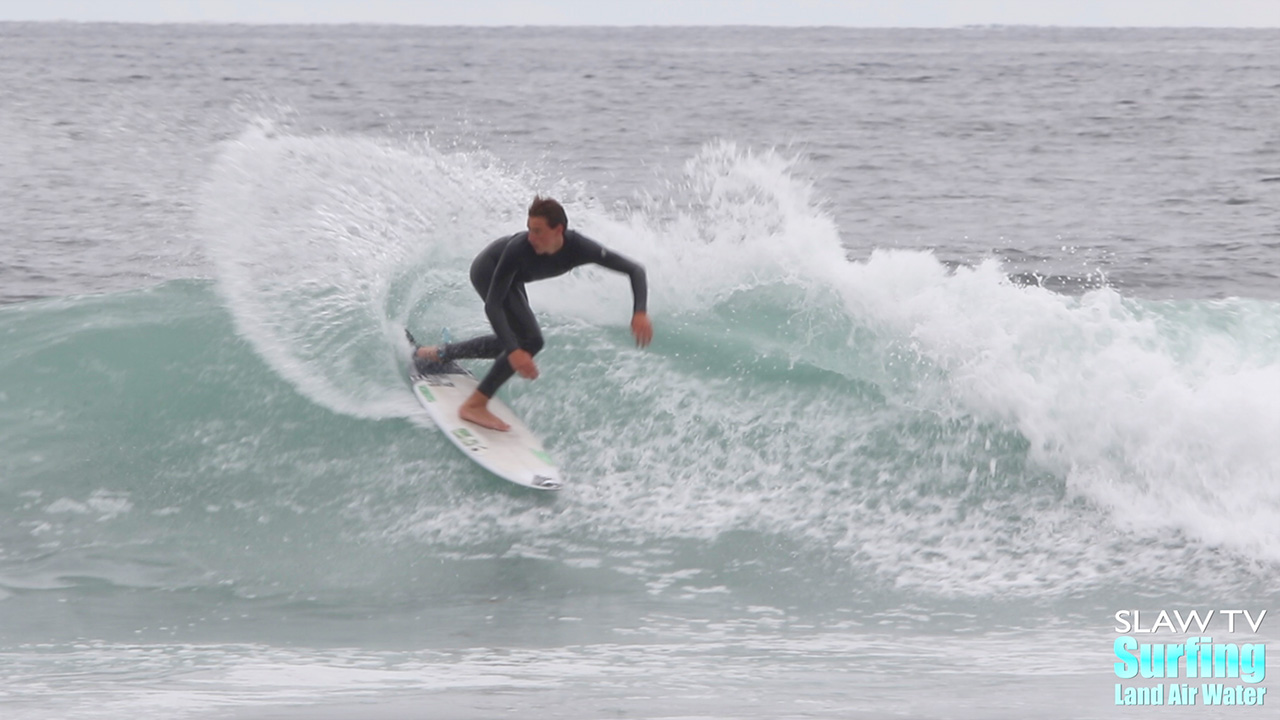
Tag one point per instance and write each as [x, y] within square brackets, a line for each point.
[642, 329]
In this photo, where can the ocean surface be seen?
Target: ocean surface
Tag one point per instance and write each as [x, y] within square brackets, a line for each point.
[965, 341]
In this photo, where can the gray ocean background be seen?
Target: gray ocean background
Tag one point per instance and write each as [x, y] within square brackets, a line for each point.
[966, 340]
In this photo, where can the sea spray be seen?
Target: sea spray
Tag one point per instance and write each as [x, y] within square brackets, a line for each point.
[880, 404]
[319, 242]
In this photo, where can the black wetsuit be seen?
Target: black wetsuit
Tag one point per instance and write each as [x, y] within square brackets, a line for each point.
[499, 274]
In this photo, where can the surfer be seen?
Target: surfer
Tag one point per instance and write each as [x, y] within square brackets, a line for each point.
[499, 273]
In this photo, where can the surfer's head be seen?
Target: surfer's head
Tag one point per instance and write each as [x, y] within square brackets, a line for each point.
[549, 210]
[547, 224]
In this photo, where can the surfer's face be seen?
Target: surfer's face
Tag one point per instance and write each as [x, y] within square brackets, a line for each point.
[545, 239]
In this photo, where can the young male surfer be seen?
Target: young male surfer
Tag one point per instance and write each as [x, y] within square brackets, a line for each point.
[499, 274]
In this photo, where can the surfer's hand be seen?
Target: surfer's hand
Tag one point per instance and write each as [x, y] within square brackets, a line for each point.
[642, 329]
[522, 362]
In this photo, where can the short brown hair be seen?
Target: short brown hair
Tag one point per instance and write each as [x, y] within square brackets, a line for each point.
[549, 210]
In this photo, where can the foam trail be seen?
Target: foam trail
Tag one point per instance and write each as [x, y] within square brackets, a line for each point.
[880, 405]
[1157, 412]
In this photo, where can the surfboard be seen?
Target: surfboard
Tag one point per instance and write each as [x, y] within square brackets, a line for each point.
[515, 455]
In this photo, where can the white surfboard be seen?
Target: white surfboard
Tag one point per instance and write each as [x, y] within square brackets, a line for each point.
[515, 455]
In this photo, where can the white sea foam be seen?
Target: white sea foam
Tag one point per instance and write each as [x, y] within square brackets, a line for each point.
[1154, 415]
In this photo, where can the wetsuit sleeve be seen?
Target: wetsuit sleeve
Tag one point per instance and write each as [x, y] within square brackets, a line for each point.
[620, 263]
[503, 277]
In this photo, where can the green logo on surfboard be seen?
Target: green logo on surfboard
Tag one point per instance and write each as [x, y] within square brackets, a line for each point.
[426, 392]
[468, 439]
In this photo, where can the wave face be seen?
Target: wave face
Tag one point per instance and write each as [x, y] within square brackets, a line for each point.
[807, 429]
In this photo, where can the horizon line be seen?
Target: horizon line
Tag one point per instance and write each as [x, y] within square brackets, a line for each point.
[374, 23]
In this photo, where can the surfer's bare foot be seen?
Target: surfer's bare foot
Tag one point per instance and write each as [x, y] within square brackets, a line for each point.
[476, 410]
[428, 353]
